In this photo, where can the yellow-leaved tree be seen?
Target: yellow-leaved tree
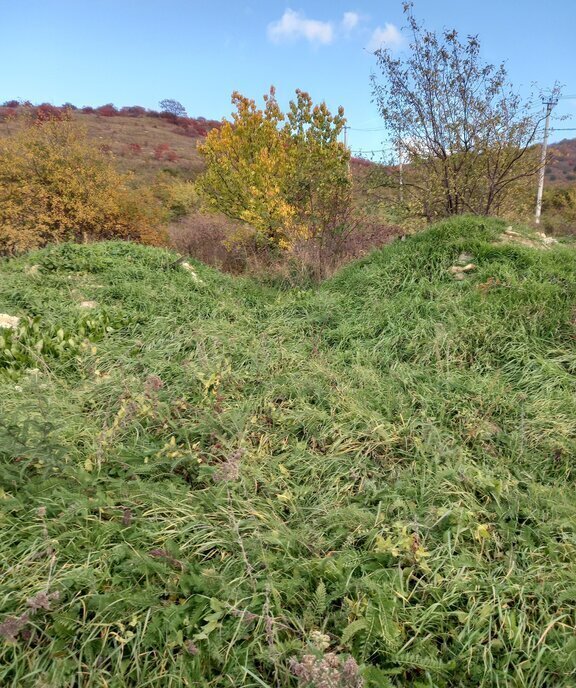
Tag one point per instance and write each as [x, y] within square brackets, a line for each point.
[285, 175]
[56, 186]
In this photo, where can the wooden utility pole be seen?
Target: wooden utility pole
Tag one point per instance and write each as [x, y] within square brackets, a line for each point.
[549, 105]
[346, 127]
[401, 170]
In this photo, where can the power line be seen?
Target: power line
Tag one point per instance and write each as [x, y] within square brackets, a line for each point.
[366, 152]
[374, 129]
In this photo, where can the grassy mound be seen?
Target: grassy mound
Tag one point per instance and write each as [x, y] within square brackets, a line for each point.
[205, 482]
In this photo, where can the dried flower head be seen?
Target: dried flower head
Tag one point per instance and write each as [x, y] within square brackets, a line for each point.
[229, 469]
[328, 671]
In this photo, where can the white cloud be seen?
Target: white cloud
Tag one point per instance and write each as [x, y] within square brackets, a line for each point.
[294, 25]
[387, 37]
[350, 20]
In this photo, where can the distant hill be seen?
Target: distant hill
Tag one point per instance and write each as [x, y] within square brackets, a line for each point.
[562, 168]
[142, 141]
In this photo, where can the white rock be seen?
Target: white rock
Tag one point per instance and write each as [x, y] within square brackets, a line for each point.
[88, 304]
[192, 272]
[456, 269]
[8, 322]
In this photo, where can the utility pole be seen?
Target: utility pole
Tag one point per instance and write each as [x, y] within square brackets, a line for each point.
[549, 105]
[401, 170]
[346, 127]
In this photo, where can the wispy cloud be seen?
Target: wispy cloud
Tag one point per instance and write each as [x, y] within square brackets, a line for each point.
[387, 37]
[293, 26]
[296, 26]
[350, 20]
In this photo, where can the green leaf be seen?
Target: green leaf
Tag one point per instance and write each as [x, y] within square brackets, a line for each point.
[353, 628]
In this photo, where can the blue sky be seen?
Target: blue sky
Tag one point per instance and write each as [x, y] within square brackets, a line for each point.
[137, 52]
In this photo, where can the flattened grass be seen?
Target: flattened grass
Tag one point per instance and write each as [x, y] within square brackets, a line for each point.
[215, 471]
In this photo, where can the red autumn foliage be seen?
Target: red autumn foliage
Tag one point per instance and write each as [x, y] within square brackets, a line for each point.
[160, 150]
[194, 127]
[134, 148]
[170, 117]
[50, 113]
[133, 111]
[164, 152]
[107, 110]
[360, 162]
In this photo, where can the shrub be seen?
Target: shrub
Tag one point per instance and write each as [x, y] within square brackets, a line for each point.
[285, 175]
[206, 237]
[46, 112]
[559, 211]
[55, 186]
[107, 110]
[133, 148]
[163, 152]
[195, 128]
[133, 111]
[179, 197]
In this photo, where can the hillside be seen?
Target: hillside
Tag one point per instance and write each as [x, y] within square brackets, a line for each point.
[205, 482]
[146, 145]
[143, 145]
[562, 168]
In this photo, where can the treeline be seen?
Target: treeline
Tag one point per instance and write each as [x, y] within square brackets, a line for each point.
[187, 126]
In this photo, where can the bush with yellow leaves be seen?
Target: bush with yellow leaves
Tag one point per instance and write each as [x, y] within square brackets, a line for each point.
[285, 175]
[55, 186]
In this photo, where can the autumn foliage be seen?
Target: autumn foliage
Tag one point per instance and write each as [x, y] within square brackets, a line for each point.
[285, 175]
[55, 186]
[186, 126]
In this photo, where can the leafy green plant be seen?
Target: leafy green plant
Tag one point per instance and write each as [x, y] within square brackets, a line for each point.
[34, 341]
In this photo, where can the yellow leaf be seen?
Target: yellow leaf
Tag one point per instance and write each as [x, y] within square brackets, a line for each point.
[482, 532]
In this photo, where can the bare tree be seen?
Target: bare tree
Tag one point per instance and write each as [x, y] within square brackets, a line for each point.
[467, 136]
[172, 107]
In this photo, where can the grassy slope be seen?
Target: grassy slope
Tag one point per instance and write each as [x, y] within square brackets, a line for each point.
[406, 480]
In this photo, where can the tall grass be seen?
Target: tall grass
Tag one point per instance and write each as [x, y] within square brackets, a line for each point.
[232, 481]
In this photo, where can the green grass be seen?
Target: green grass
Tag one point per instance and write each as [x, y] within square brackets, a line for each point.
[213, 477]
